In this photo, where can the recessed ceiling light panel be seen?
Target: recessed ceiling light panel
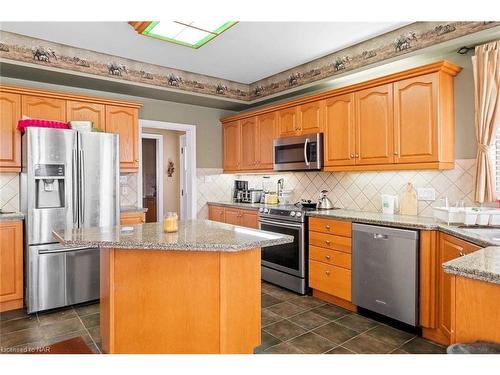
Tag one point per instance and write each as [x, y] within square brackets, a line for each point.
[193, 34]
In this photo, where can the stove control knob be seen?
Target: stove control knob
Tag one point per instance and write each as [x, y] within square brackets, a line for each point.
[261, 209]
[299, 214]
[292, 213]
[266, 210]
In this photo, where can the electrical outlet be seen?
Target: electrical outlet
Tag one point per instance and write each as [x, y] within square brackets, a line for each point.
[426, 194]
[124, 190]
[123, 180]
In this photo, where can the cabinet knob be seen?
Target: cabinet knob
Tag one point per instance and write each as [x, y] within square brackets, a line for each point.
[327, 257]
[327, 227]
[395, 153]
[352, 155]
[357, 155]
[461, 253]
[137, 160]
[328, 242]
[327, 273]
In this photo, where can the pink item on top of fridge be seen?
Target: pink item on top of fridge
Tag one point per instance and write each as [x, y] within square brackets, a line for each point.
[39, 123]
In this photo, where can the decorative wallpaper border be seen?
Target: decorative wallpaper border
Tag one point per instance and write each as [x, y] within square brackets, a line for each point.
[406, 39]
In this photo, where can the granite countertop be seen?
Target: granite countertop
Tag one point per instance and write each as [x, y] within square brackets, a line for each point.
[481, 265]
[132, 209]
[11, 216]
[377, 218]
[193, 235]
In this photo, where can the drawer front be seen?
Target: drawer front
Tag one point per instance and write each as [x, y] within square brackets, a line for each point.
[332, 257]
[330, 241]
[338, 227]
[330, 279]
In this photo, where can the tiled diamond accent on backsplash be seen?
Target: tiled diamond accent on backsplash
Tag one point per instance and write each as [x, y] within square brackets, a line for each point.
[9, 191]
[128, 196]
[350, 190]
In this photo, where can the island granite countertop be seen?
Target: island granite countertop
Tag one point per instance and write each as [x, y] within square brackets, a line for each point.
[193, 235]
[481, 265]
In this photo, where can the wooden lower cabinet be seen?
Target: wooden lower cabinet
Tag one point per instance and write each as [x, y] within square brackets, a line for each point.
[330, 260]
[216, 213]
[234, 216]
[11, 265]
[130, 218]
[436, 285]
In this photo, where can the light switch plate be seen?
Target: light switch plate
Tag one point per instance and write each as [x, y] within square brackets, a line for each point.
[426, 194]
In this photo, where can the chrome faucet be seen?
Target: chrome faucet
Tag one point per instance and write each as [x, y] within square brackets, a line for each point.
[281, 182]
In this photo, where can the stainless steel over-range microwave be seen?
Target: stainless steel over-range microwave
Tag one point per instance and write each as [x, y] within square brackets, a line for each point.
[301, 153]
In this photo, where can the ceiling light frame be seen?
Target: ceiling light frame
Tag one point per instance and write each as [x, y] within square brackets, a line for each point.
[146, 28]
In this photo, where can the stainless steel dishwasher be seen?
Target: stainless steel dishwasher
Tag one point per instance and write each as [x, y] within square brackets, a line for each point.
[385, 271]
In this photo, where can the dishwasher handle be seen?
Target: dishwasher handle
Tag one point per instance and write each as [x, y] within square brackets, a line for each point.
[379, 236]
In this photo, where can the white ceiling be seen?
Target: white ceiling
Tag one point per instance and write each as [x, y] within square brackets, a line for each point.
[247, 52]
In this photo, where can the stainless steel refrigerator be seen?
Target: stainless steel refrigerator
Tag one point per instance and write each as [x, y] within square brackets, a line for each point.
[69, 180]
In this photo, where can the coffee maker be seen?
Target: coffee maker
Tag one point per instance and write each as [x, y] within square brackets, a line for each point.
[240, 186]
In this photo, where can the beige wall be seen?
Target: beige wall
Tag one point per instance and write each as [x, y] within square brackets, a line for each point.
[208, 128]
[171, 185]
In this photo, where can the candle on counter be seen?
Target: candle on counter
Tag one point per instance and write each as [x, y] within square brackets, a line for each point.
[171, 222]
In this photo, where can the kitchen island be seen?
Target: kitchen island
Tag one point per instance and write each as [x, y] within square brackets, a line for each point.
[193, 291]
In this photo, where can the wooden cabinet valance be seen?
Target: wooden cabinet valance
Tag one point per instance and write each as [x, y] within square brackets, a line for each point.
[113, 116]
[401, 121]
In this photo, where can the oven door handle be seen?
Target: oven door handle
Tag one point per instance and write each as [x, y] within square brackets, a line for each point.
[281, 224]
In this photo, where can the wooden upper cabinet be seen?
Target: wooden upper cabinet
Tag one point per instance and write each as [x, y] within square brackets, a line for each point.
[10, 137]
[339, 137]
[374, 125]
[288, 124]
[232, 146]
[310, 117]
[124, 122]
[11, 266]
[40, 107]
[266, 132]
[84, 111]
[249, 143]
[415, 120]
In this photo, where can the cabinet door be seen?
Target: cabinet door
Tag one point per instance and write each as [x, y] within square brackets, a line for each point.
[248, 143]
[415, 120]
[123, 121]
[232, 146]
[288, 123]
[82, 111]
[374, 125]
[44, 108]
[10, 137]
[216, 213]
[11, 266]
[266, 130]
[340, 131]
[232, 216]
[449, 248]
[311, 117]
[249, 219]
[130, 218]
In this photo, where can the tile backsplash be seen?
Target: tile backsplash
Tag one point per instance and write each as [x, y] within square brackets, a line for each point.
[350, 190]
[9, 191]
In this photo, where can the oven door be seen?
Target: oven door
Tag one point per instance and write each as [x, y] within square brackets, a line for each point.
[290, 257]
[298, 153]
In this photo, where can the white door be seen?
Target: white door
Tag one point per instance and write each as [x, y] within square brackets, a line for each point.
[185, 190]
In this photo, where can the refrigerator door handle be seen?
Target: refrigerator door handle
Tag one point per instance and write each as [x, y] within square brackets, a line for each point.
[74, 187]
[82, 188]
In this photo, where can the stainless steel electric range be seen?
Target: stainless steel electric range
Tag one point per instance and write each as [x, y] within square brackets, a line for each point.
[286, 265]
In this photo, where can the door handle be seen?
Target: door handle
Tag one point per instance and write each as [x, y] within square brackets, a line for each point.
[82, 188]
[379, 236]
[74, 187]
[306, 160]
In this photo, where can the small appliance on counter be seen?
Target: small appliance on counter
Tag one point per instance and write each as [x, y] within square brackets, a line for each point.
[250, 196]
[239, 187]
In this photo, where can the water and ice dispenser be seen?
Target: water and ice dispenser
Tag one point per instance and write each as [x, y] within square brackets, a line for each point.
[49, 185]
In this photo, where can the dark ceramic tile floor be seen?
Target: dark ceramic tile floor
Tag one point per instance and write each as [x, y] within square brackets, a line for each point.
[290, 324]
